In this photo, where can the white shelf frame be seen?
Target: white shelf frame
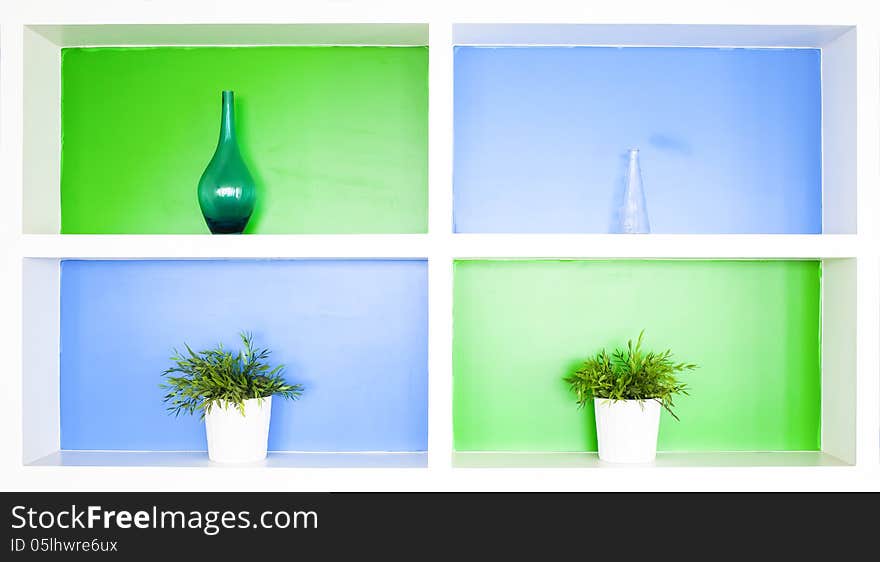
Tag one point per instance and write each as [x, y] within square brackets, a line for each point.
[441, 248]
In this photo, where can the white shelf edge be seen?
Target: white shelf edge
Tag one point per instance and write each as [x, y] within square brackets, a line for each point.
[720, 459]
[461, 459]
[704, 246]
[224, 247]
[461, 246]
[199, 459]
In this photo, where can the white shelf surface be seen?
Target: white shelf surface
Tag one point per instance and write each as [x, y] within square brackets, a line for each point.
[199, 459]
[721, 246]
[196, 246]
[733, 459]
[734, 246]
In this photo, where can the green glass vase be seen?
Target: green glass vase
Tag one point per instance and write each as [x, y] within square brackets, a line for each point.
[226, 189]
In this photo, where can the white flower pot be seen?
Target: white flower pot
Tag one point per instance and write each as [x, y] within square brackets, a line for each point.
[233, 438]
[627, 430]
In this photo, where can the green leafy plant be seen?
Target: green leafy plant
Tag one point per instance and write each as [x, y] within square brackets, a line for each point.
[200, 380]
[630, 374]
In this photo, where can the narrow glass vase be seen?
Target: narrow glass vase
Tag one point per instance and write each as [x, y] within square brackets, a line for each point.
[634, 210]
[226, 188]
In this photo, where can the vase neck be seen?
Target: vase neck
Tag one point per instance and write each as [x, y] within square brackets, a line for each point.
[633, 158]
[227, 117]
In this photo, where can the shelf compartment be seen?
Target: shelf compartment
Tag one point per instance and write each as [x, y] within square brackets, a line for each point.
[775, 342]
[756, 139]
[334, 133]
[353, 332]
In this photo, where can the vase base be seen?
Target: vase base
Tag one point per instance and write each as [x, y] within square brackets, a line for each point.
[227, 226]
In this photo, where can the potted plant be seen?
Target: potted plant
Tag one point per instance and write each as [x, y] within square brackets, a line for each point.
[233, 392]
[627, 389]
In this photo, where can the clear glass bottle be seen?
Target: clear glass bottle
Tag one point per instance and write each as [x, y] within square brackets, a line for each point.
[634, 211]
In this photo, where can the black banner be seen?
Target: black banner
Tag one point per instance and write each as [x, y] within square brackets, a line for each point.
[127, 526]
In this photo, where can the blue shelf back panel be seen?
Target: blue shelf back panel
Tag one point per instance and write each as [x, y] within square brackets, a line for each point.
[730, 139]
[353, 332]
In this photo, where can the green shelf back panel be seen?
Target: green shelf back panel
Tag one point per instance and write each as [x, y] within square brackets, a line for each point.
[753, 327]
[336, 137]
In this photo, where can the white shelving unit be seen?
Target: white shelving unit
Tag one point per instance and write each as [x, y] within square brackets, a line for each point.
[32, 36]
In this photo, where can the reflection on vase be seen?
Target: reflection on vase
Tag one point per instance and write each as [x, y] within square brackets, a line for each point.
[634, 211]
[226, 189]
